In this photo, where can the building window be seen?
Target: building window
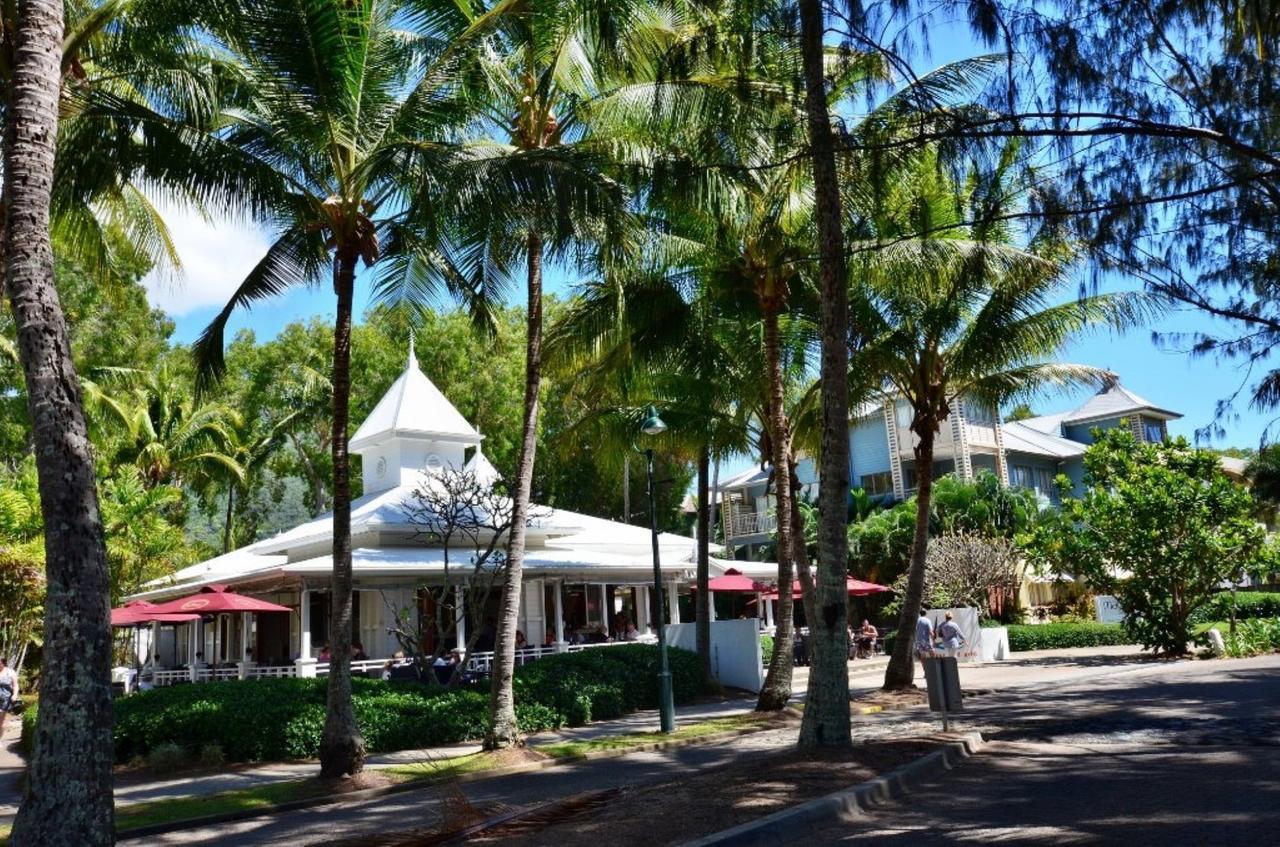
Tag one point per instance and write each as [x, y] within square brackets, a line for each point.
[1039, 480]
[1154, 431]
[909, 478]
[876, 484]
[977, 413]
[905, 415]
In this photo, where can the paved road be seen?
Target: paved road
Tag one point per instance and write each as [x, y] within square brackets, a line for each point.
[1178, 756]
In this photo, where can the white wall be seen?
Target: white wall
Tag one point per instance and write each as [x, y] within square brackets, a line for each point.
[735, 651]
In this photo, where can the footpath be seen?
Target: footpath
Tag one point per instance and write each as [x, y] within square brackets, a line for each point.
[1037, 668]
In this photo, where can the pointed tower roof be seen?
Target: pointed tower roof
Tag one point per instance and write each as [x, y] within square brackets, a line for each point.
[414, 408]
[1114, 401]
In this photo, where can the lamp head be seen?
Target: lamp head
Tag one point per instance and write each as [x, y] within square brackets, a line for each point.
[652, 424]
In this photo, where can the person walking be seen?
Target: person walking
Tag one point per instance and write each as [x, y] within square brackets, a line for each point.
[8, 688]
[949, 634]
[924, 636]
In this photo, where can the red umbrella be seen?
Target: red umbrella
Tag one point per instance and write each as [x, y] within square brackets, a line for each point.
[734, 581]
[141, 611]
[214, 599]
[853, 587]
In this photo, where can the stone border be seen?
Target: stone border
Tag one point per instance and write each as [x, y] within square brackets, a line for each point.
[847, 805]
[425, 782]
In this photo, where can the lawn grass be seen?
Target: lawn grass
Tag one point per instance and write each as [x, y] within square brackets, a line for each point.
[579, 749]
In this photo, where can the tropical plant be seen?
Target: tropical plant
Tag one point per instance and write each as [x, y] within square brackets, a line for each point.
[965, 320]
[1117, 534]
[349, 111]
[169, 436]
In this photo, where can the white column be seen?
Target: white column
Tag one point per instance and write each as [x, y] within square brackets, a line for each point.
[155, 646]
[642, 609]
[304, 627]
[195, 639]
[245, 662]
[561, 644]
[460, 616]
[673, 601]
[711, 606]
[768, 613]
[604, 609]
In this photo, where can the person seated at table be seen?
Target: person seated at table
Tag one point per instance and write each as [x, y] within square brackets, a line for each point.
[357, 652]
[446, 666]
[325, 653]
[630, 633]
[550, 640]
[867, 636]
[521, 641]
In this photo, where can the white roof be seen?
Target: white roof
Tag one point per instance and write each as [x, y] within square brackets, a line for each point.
[764, 571]
[746, 479]
[414, 408]
[1048, 424]
[1113, 400]
[429, 561]
[1020, 438]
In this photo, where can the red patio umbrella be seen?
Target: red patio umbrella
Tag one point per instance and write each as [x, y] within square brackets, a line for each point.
[141, 611]
[216, 599]
[853, 587]
[213, 599]
[734, 581]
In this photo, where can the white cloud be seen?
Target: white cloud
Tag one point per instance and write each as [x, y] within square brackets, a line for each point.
[215, 254]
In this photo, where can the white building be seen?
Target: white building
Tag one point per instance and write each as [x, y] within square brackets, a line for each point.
[581, 572]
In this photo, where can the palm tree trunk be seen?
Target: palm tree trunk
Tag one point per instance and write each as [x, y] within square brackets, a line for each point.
[826, 714]
[342, 748]
[226, 530]
[702, 614]
[503, 730]
[902, 669]
[777, 682]
[68, 796]
[800, 556]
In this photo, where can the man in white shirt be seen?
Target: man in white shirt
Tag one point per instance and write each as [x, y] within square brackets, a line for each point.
[8, 687]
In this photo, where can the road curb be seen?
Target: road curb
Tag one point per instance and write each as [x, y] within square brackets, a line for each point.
[426, 783]
[847, 805]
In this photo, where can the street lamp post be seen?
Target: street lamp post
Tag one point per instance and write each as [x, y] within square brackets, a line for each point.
[654, 425]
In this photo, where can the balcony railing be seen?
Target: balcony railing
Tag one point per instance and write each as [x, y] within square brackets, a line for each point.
[738, 524]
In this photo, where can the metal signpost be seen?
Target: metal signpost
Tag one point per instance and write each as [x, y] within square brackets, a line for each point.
[942, 676]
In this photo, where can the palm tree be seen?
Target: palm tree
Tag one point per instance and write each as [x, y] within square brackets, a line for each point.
[349, 112]
[250, 449]
[967, 319]
[638, 328]
[543, 186]
[170, 437]
[73, 751]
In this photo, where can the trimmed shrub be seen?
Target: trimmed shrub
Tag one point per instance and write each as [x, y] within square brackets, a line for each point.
[606, 682]
[282, 718]
[1249, 605]
[166, 757]
[1057, 636]
[766, 649]
[28, 738]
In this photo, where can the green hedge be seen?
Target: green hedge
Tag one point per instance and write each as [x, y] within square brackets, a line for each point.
[1055, 636]
[270, 719]
[766, 649]
[607, 682]
[1249, 605]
